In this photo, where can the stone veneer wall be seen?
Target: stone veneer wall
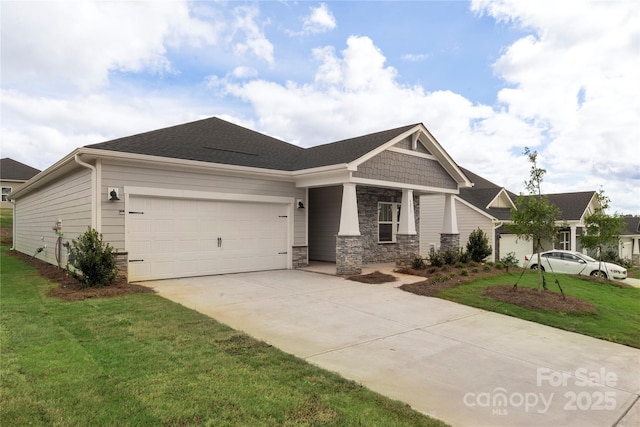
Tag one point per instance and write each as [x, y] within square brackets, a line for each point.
[374, 252]
[348, 255]
[300, 256]
[449, 241]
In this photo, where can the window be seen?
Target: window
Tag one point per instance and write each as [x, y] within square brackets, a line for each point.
[564, 242]
[5, 192]
[388, 221]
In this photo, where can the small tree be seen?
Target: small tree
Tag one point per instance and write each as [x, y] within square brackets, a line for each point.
[478, 245]
[534, 217]
[93, 259]
[601, 230]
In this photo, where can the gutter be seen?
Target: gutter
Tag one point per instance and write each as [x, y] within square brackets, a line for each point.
[94, 192]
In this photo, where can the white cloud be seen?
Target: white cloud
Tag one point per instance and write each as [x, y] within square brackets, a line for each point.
[41, 130]
[576, 77]
[415, 57]
[254, 40]
[320, 20]
[356, 93]
[78, 44]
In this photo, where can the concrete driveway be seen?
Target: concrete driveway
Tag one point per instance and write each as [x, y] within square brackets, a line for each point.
[463, 365]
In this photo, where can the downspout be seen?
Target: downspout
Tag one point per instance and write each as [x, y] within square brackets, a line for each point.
[94, 192]
[13, 240]
[496, 225]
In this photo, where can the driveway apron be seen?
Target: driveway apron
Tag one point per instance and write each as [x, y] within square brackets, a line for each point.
[466, 366]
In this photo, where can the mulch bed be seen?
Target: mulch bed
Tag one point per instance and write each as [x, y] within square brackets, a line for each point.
[373, 278]
[538, 300]
[69, 289]
[437, 280]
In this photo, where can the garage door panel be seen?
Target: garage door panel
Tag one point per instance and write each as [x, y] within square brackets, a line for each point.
[179, 238]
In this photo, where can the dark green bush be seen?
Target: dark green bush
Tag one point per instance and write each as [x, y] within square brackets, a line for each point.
[464, 272]
[436, 259]
[478, 245]
[510, 260]
[487, 267]
[465, 257]
[450, 256]
[93, 261]
[418, 263]
[499, 265]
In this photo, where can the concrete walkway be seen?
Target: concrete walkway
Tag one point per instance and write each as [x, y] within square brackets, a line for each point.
[463, 365]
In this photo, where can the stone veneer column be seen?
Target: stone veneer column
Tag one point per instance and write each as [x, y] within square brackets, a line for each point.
[408, 247]
[449, 241]
[300, 257]
[348, 255]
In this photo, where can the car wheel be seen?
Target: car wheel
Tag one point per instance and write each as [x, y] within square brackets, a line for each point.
[535, 267]
[599, 273]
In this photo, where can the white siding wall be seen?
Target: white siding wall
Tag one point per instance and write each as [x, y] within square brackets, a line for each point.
[431, 218]
[68, 199]
[138, 175]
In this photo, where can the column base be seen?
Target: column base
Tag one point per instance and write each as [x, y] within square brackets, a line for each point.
[348, 255]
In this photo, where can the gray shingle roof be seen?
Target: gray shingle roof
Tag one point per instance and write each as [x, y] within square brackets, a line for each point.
[217, 141]
[13, 170]
[572, 205]
[482, 193]
[210, 140]
[632, 225]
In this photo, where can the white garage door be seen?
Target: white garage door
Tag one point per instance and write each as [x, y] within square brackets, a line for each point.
[169, 238]
[511, 243]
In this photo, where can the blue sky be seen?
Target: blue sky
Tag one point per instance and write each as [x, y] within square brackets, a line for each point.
[487, 78]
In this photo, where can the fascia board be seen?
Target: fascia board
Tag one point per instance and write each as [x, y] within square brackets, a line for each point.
[46, 175]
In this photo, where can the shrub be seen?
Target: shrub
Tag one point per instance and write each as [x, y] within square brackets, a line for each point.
[510, 260]
[418, 263]
[452, 275]
[464, 272]
[475, 269]
[499, 265]
[436, 259]
[487, 267]
[465, 257]
[450, 256]
[478, 245]
[459, 264]
[93, 260]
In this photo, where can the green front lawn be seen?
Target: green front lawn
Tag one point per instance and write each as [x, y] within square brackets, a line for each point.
[617, 315]
[141, 360]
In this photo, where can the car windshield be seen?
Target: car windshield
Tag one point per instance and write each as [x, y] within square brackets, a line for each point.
[587, 258]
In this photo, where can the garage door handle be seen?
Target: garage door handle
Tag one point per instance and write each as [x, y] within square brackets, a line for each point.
[219, 242]
[136, 260]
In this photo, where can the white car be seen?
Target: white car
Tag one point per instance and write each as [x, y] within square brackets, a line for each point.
[569, 262]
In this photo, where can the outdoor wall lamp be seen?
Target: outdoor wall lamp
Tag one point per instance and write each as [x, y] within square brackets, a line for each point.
[300, 203]
[113, 194]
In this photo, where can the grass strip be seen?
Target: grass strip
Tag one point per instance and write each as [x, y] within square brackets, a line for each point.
[616, 317]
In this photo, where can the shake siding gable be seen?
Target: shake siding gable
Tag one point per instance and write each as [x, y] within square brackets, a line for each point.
[404, 168]
[67, 199]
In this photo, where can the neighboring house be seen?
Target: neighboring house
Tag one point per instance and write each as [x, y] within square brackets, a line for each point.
[12, 175]
[629, 247]
[488, 206]
[211, 197]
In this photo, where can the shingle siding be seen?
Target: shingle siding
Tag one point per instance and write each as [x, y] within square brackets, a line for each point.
[403, 168]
